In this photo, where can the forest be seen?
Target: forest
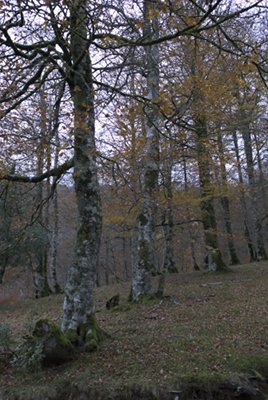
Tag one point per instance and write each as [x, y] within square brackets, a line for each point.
[133, 152]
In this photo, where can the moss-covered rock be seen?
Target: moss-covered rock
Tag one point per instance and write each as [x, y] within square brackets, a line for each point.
[57, 348]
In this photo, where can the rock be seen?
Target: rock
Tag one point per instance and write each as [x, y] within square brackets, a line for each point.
[113, 302]
[57, 348]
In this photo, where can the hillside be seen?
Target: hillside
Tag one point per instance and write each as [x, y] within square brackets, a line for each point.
[208, 328]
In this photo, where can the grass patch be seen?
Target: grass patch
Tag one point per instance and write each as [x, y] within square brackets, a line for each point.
[207, 328]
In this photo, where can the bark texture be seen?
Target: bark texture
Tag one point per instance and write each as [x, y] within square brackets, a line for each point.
[145, 265]
[78, 318]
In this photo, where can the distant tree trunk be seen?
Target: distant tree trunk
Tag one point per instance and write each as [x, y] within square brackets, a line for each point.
[260, 253]
[54, 245]
[125, 257]
[261, 182]
[213, 257]
[6, 221]
[192, 241]
[145, 265]
[40, 270]
[79, 309]
[253, 228]
[55, 206]
[169, 259]
[55, 227]
[3, 265]
[243, 200]
[107, 261]
[113, 261]
[226, 204]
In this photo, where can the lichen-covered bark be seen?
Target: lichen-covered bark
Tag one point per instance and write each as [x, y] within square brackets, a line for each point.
[145, 264]
[79, 304]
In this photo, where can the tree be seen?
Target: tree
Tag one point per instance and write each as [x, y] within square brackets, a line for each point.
[44, 42]
[145, 265]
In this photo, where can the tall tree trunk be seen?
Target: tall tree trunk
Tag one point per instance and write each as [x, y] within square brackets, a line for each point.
[55, 206]
[169, 259]
[40, 270]
[79, 309]
[6, 221]
[245, 118]
[226, 204]
[243, 200]
[262, 184]
[192, 236]
[213, 257]
[260, 253]
[145, 265]
[54, 245]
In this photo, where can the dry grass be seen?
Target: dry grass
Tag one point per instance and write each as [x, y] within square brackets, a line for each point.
[207, 327]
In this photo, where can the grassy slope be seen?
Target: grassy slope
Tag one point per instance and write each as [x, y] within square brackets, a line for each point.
[207, 327]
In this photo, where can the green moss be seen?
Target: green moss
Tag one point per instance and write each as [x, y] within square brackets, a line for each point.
[91, 345]
[58, 289]
[256, 364]
[146, 298]
[46, 290]
[57, 347]
[72, 335]
[44, 326]
[93, 333]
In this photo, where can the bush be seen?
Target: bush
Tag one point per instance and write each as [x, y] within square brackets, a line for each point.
[28, 355]
[6, 344]
[6, 339]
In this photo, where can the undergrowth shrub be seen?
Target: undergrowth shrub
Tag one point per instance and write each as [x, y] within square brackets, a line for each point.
[28, 355]
[6, 345]
[6, 339]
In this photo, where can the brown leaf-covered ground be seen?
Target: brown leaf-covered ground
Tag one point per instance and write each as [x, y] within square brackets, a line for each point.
[208, 326]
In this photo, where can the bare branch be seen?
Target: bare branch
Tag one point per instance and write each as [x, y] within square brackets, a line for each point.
[56, 172]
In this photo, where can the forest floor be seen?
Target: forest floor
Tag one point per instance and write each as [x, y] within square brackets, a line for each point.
[208, 327]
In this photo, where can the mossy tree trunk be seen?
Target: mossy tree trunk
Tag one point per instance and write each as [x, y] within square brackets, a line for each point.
[145, 264]
[78, 310]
